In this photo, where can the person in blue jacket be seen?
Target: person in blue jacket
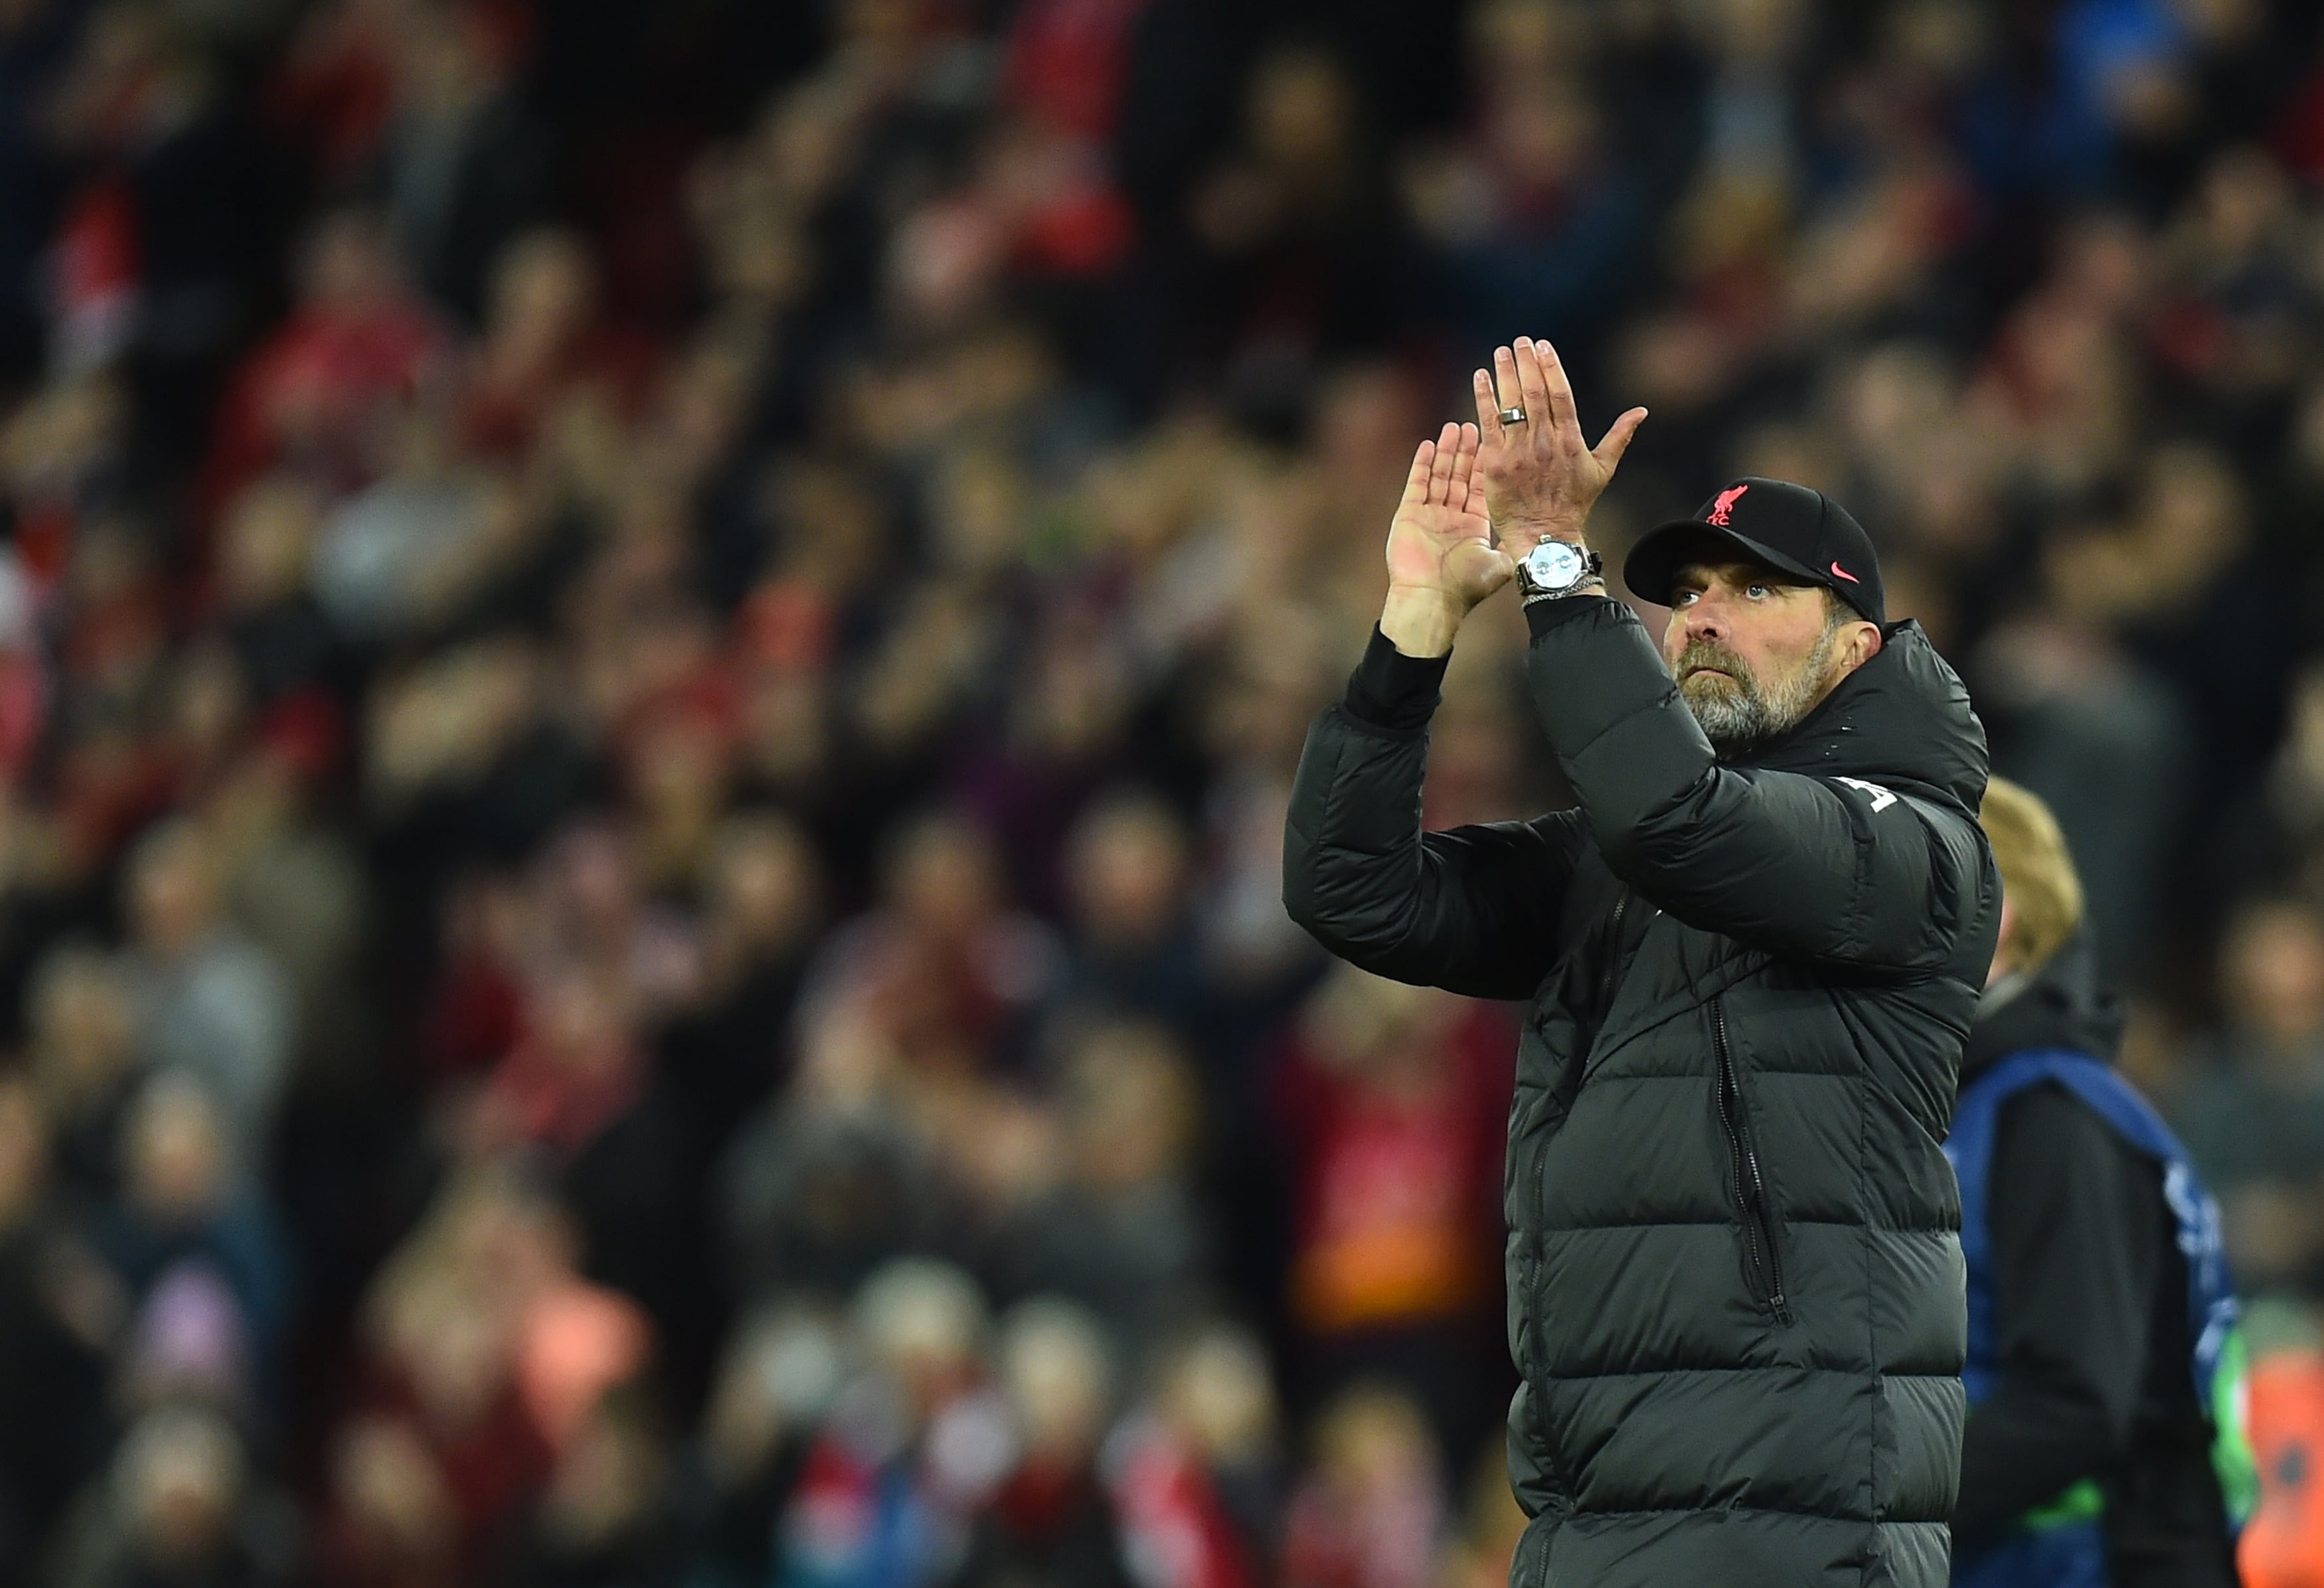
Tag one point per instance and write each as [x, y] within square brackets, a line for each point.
[2104, 1446]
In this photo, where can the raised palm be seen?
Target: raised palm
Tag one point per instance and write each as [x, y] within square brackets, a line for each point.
[1441, 542]
[1540, 476]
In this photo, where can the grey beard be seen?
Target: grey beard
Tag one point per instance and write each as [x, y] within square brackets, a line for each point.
[1740, 718]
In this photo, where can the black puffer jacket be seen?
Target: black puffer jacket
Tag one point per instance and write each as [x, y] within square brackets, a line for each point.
[1736, 1287]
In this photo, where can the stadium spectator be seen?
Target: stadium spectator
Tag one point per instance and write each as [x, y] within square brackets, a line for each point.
[2253, 1113]
[184, 1206]
[1051, 1516]
[1394, 1103]
[210, 1003]
[1369, 1515]
[1115, 1226]
[180, 1505]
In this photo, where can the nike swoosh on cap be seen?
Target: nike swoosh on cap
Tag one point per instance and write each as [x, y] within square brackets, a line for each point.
[1844, 574]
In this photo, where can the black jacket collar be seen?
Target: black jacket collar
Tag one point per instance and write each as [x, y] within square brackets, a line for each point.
[2064, 1004]
[1903, 721]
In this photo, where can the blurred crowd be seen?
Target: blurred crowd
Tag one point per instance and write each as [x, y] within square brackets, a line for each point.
[649, 656]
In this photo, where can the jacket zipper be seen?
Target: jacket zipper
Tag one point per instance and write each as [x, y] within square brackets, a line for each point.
[1611, 982]
[1751, 1185]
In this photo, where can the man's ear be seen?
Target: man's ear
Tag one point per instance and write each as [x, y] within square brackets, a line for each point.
[1863, 642]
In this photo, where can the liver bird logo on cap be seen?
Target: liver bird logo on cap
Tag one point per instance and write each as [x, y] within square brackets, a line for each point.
[1723, 506]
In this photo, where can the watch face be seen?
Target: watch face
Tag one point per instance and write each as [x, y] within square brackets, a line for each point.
[1552, 565]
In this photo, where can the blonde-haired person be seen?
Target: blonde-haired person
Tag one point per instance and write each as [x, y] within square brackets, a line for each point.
[2099, 1347]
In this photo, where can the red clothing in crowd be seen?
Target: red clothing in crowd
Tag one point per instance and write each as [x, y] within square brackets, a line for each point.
[487, 1473]
[561, 1104]
[1399, 1175]
[1172, 1517]
[317, 390]
[1066, 63]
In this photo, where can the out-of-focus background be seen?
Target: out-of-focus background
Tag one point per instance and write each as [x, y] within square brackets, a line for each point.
[650, 653]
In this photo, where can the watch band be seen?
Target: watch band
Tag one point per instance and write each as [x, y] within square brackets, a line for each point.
[1579, 587]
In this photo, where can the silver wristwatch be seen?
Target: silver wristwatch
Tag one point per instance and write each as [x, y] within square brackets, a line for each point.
[1556, 568]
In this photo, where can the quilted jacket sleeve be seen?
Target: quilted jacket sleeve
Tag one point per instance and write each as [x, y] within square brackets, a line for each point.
[1471, 910]
[1812, 867]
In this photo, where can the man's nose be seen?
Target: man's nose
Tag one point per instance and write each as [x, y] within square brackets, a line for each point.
[1706, 619]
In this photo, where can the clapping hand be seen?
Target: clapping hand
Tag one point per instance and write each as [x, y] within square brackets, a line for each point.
[1440, 547]
[1539, 478]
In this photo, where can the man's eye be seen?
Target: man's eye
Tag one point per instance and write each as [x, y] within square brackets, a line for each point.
[1758, 591]
[1685, 597]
